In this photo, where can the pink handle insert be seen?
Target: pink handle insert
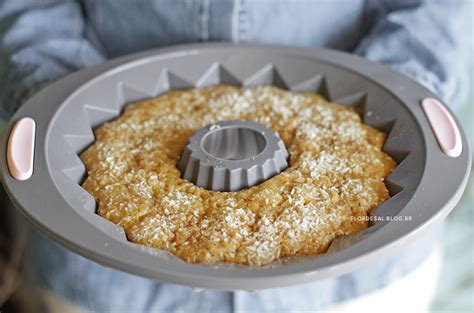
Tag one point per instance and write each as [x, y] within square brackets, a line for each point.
[444, 127]
[20, 150]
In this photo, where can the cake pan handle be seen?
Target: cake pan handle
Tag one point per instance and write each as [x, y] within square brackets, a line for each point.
[444, 127]
[20, 150]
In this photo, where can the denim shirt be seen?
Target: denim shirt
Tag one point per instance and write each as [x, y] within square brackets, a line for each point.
[44, 40]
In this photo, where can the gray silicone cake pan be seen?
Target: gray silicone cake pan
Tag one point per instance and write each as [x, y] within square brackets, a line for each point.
[425, 186]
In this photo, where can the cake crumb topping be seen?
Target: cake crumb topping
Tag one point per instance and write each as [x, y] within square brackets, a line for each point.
[336, 172]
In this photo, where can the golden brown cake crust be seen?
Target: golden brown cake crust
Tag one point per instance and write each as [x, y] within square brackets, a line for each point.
[336, 172]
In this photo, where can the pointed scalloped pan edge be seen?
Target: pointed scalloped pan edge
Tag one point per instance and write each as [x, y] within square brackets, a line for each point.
[79, 142]
[395, 181]
[85, 204]
[82, 201]
[76, 171]
[217, 74]
[97, 115]
[155, 251]
[77, 174]
[69, 162]
[385, 209]
[107, 227]
[393, 187]
[268, 75]
[392, 147]
[128, 93]
[315, 84]
[169, 80]
[396, 152]
[345, 241]
[385, 126]
[356, 101]
[82, 136]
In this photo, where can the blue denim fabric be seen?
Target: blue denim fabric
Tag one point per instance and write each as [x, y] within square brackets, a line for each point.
[101, 289]
[44, 40]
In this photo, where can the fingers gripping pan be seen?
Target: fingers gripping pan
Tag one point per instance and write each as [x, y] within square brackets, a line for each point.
[425, 186]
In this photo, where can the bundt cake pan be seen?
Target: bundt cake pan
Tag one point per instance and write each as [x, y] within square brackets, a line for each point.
[42, 173]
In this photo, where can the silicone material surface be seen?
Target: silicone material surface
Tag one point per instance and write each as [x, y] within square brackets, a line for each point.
[232, 155]
[425, 186]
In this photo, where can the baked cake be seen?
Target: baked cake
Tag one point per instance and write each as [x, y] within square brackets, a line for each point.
[335, 176]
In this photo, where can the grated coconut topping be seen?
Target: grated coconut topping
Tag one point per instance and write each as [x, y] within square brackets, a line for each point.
[336, 172]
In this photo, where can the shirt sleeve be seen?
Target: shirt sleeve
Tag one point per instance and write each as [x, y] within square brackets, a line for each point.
[425, 40]
[39, 42]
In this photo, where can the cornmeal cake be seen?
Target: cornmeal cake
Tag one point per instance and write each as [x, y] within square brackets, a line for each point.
[336, 173]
